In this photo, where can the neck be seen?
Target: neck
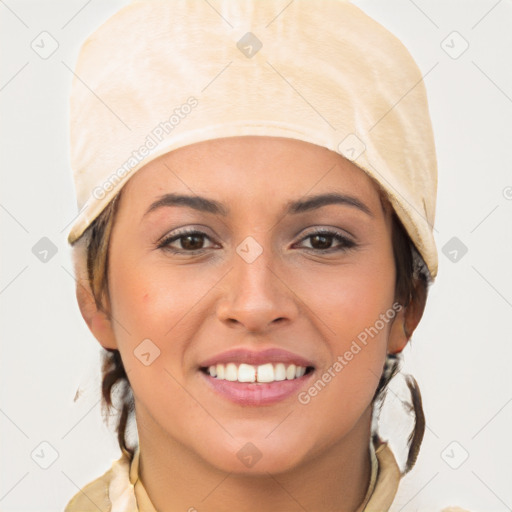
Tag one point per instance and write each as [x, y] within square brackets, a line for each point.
[176, 479]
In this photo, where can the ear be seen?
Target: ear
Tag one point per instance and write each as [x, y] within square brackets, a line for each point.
[407, 319]
[98, 321]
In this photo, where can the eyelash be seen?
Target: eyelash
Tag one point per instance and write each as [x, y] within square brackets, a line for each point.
[347, 243]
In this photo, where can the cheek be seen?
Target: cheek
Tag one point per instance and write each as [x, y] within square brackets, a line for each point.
[153, 301]
[351, 299]
[158, 318]
[355, 305]
[162, 305]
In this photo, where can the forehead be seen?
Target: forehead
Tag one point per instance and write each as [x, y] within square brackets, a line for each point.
[254, 170]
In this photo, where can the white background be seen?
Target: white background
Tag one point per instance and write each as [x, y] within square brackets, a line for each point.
[460, 353]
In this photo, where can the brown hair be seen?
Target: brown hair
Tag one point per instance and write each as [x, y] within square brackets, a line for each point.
[412, 283]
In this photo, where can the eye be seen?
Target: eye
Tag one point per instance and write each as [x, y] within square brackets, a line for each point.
[322, 239]
[190, 240]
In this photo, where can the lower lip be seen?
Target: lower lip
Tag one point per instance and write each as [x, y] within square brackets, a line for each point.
[252, 393]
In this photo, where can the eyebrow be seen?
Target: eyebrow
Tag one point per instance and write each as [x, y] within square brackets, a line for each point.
[204, 204]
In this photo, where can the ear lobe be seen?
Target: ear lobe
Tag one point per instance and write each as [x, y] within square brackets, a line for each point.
[398, 338]
[98, 321]
[407, 319]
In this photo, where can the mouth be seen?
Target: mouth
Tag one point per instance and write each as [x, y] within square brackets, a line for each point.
[263, 373]
[256, 378]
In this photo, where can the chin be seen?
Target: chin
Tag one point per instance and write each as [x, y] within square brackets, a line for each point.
[258, 456]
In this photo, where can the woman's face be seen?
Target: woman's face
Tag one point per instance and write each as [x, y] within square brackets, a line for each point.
[255, 290]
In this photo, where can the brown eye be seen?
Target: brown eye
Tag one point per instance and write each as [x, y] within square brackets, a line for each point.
[322, 241]
[189, 241]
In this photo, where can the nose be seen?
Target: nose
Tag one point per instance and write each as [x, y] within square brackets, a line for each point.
[256, 296]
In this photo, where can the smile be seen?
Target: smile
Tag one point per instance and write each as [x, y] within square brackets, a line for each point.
[256, 378]
[264, 373]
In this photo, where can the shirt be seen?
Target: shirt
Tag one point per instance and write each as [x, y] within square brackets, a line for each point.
[119, 489]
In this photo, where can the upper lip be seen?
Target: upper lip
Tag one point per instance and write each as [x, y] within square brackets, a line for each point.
[256, 357]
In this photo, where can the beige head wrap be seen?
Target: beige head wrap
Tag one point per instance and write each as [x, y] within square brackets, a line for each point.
[160, 74]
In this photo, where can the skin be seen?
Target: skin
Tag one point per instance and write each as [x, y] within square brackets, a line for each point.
[293, 296]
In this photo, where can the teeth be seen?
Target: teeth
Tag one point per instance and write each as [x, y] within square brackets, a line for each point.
[231, 372]
[246, 373]
[263, 373]
[280, 372]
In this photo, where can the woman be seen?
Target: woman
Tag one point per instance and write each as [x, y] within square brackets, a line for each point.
[254, 250]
